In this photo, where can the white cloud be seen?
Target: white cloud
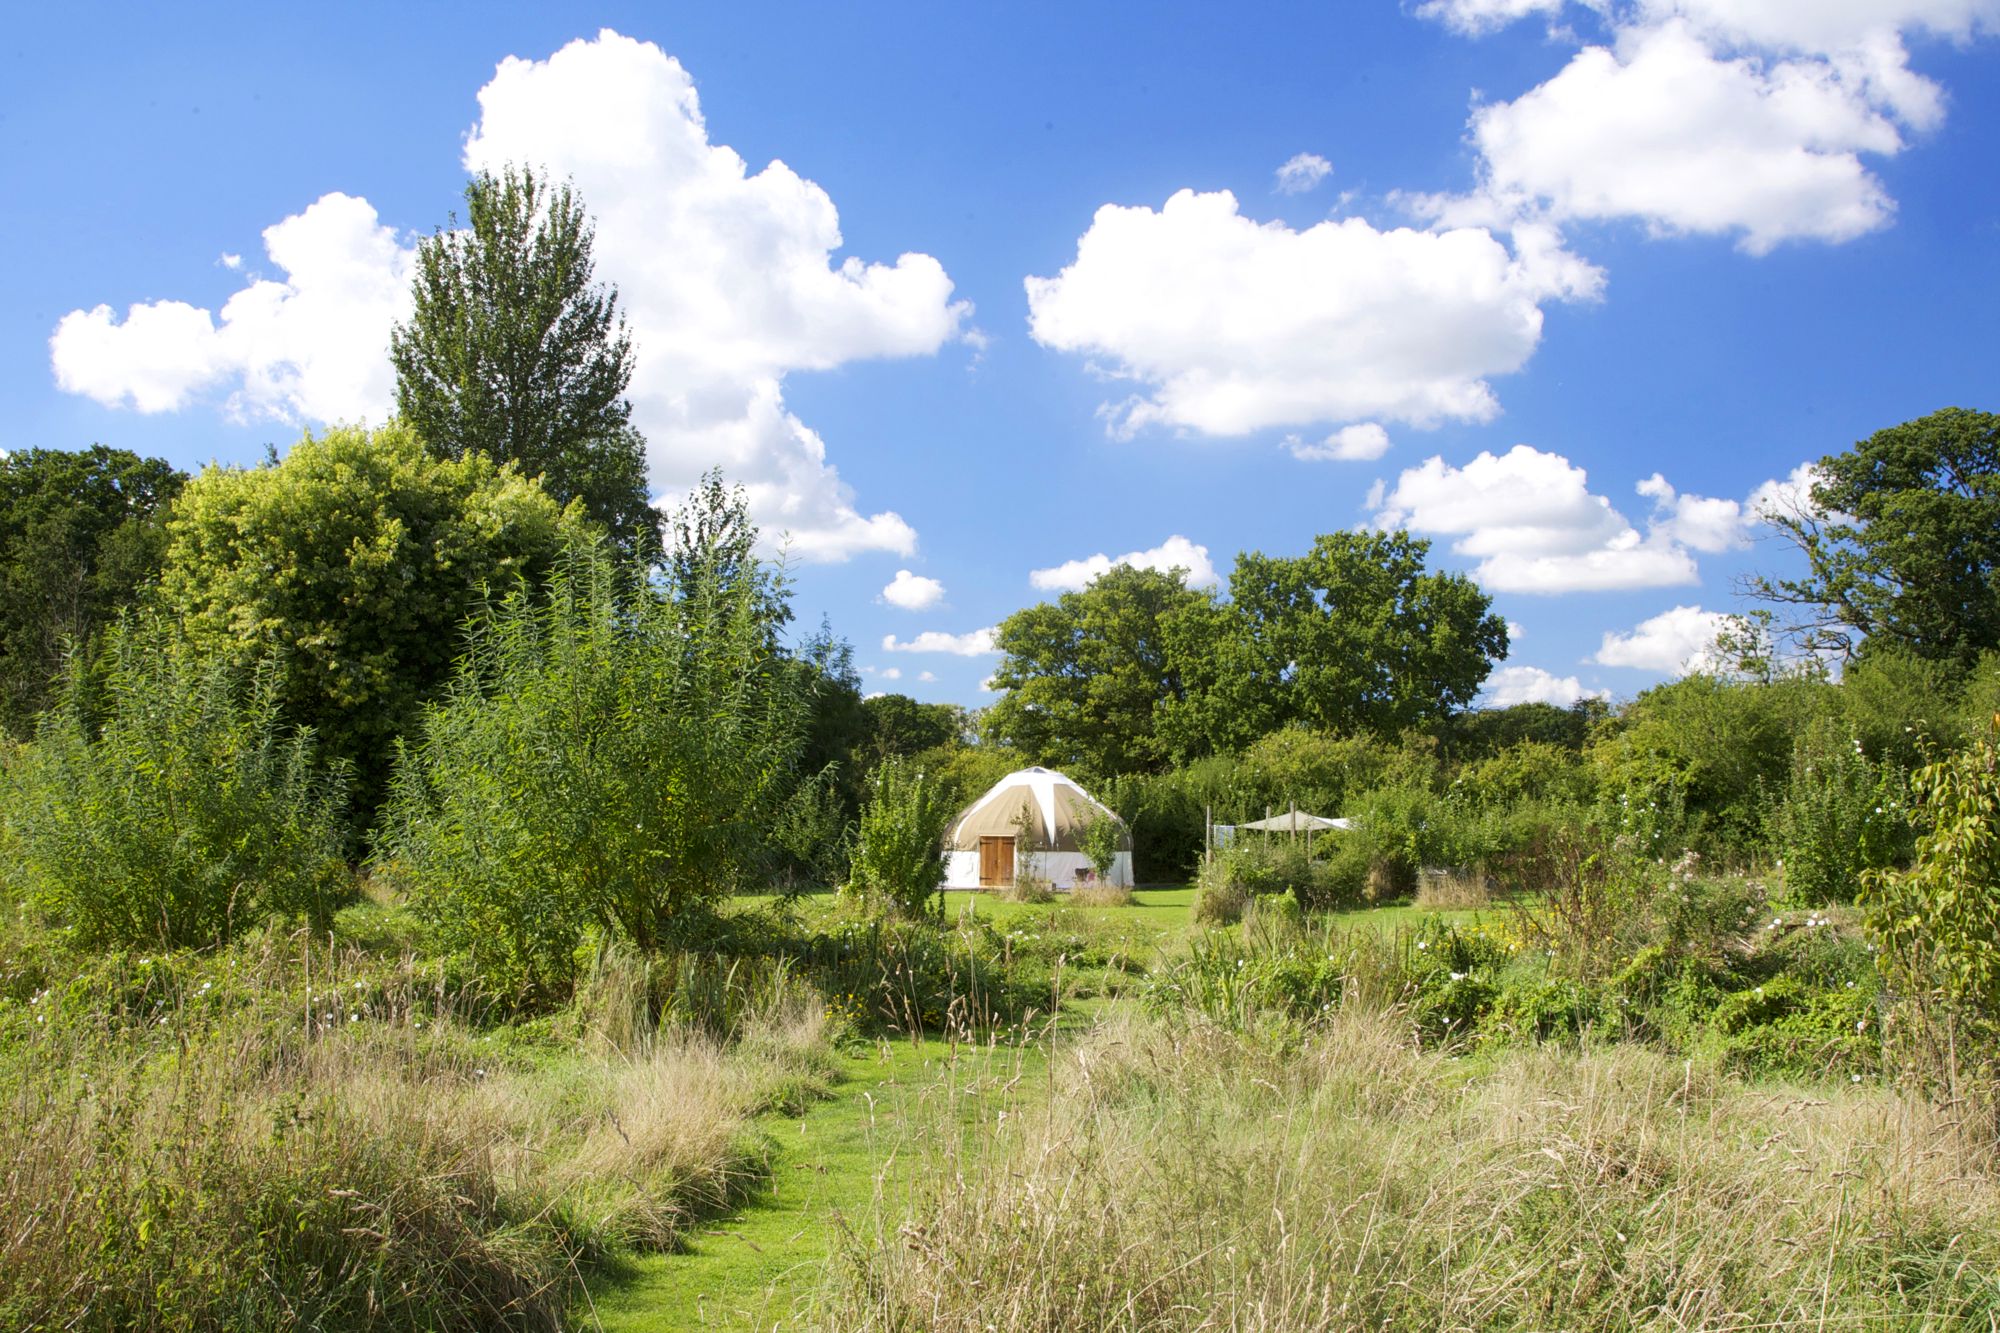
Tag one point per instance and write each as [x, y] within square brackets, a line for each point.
[727, 278]
[313, 347]
[927, 677]
[1663, 129]
[1356, 443]
[1536, 527]
[1788, 496]
[1531, 519]
[1744, 118]
[891, 673]
[1531, 685]
[1176, 552]
[1232, 326]
[1474, 17]
[1515, 632]
[229, 261]
[1675, 641]
[974, 643]
[913, 592]
[1302, 172]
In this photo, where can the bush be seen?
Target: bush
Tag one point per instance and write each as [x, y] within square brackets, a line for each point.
[1841, 816]
[610, 759]
[899, 848]
[358, 558]
[177, 810]
[1939, 923]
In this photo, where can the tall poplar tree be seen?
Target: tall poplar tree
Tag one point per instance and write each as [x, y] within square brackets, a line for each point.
[515, 352]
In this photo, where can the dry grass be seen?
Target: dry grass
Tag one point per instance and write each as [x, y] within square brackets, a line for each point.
[238, 1163]
[1453, 893]
[1027, 888]
[1102, 894]
[1184, 1179]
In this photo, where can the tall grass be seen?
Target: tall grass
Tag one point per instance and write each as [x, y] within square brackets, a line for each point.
[1194, 1179]
[278, 1136]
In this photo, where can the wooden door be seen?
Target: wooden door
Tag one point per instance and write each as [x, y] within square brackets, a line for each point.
[996, 862]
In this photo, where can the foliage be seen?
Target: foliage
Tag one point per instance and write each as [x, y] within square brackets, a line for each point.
[1842, 815]
[1939, 922]
[1710, 751]
[80, 535]
[1084, 675]
[609, 759]
[178, 809]
[899, 845]
[1353, 636]
[512, 352]
[1100, 841]
[1902, 541]
[355, 560]
[899, 725]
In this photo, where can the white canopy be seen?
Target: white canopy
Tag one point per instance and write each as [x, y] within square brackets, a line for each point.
[1297, 821]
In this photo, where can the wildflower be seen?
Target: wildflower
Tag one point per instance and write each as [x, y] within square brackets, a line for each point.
[1458, 976]
[1423, 944]
[1860, 1025]
[354, 1018]
[1855, 1079]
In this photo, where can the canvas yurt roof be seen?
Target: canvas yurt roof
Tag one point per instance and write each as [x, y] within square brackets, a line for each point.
[1058, 809]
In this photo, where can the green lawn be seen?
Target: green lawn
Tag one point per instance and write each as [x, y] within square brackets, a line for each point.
[832, 1167]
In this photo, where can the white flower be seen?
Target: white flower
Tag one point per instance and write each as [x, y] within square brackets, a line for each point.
[1423, 944]
[1860, 1025]
[354, 1018]
[1458, 976]
[1855, 1079]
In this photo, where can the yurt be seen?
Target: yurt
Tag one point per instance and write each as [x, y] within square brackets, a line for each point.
[1029, 821]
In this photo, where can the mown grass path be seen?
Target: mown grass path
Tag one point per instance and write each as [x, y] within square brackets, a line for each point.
[833, 1166]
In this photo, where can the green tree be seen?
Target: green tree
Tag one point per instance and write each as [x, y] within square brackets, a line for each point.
[899, 725]
[512, 351]
[1902, 542]
[1084, 674]
[357, 559]
[1353, 636]
[80, 534]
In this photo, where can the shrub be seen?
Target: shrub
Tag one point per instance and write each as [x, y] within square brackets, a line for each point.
[1939, 922]
[1841, 816]
[1219, 896]
[899, 847]
[1098, 840]
[608, 759]
[358, 558]
[177, 810]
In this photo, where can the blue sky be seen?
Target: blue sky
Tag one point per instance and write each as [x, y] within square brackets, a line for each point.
[1573, 290]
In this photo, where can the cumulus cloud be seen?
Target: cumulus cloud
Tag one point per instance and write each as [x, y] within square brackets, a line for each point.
[229, 261]
[1231, 326]
[1475, 17]
[1533, 522]
[1516, 632]
[1743, 118]
[974, 643]
[728, 278]
[927, 676]
[1302, 172]
[1356, 443]
[1176, 552]
[1672, 642]
[913, 592]
[1531, 685]
[312, 347]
